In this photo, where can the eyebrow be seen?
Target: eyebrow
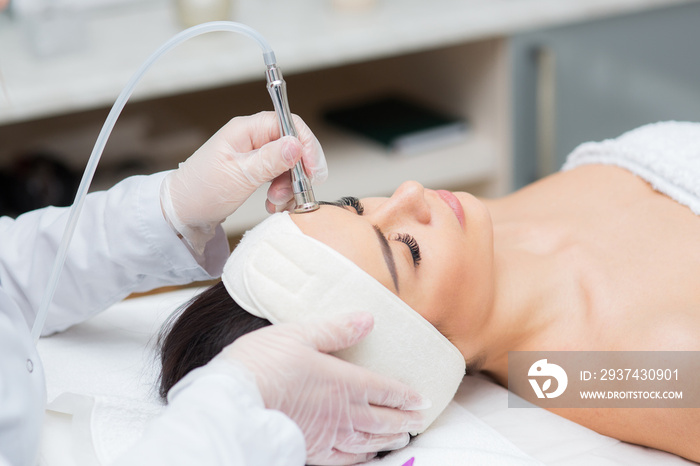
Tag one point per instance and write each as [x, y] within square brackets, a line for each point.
[383, 242]
[388, 256]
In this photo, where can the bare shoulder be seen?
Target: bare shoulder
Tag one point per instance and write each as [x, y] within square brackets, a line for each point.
[588, 178]
[589, 187]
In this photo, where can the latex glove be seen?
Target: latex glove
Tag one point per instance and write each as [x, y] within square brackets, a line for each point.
[347, 413]
[242, 156]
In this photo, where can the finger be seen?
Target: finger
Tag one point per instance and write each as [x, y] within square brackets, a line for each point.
[362, 442]
[386, 421]
[313, 157]
[271, 160]
[315, 164]
[280, 191]
[384, 391]
[338, 332]
[272, 208]
[247, 133]
[254, 131]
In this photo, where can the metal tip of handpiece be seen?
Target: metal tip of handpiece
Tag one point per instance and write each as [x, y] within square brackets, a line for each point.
[304, 200]
[307, 207]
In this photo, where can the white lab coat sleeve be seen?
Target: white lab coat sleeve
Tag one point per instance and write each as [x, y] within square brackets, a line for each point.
[216, 416]
[122, 244]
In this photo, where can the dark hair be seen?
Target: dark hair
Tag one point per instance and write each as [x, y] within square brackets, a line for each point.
[198, 331]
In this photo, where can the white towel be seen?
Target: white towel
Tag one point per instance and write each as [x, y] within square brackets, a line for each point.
[103, 374]
[279, 273]
[458, 438]
[665, 154]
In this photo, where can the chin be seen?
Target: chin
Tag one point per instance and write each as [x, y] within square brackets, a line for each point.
[475, 211]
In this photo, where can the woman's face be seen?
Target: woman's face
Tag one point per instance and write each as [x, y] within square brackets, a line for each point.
[434, 249]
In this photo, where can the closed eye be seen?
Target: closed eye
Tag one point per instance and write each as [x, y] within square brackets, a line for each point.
[412, 244]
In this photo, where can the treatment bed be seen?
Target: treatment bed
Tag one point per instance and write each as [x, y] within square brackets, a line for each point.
[101, 394]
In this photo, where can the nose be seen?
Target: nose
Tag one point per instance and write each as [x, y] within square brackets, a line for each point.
[408, 201]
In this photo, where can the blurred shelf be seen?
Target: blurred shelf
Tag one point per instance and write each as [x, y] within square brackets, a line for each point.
[306, 35]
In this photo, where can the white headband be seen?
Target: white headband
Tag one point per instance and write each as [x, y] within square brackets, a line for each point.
[282, 275]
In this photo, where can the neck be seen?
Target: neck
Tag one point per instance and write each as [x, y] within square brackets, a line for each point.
[532, 288]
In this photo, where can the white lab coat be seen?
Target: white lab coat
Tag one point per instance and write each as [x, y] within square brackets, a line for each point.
[122, 244]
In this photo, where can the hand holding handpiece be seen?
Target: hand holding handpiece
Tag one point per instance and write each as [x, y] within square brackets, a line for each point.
[242, 156]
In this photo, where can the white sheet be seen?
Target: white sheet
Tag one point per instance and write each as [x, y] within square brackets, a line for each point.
[101, 376]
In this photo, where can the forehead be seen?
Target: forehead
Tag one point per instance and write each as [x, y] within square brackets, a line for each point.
[349, 234]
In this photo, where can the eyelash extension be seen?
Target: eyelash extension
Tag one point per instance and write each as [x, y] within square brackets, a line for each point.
[354, 203]
[412, 244]
[347, 201]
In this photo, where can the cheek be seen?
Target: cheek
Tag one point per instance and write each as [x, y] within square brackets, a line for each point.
[443, 293]
[455, 291]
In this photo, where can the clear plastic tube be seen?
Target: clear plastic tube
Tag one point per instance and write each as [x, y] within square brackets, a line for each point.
[214, 26]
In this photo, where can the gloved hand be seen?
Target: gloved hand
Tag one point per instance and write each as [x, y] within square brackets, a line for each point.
[243, 155]
[347, 413]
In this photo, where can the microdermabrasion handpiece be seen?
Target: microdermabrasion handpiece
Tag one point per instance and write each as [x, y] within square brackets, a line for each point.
[304, 199]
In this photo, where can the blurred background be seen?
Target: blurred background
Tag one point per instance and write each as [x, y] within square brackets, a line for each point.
[509, 87]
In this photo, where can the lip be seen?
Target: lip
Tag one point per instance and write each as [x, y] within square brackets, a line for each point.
[454, 204]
